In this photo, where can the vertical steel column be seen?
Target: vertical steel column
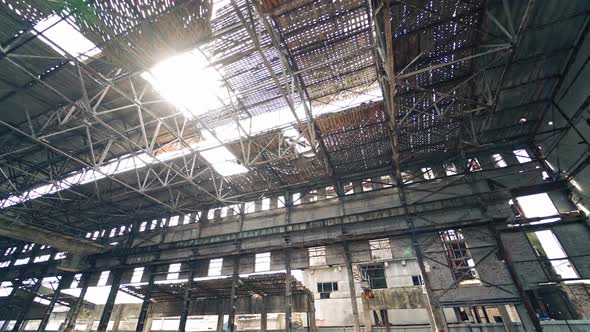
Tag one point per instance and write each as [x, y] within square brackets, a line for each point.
[20, 318]
[356, 325]
[232, 300]
[187, 299]
[51, 305]
[70, 321]
[110, 304]
[288, 290]
[15, 285]
[145, 306]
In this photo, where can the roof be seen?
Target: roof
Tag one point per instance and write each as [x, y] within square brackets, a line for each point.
[468, 77]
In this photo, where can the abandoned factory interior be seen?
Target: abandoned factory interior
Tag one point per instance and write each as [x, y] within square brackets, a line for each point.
[295, 165]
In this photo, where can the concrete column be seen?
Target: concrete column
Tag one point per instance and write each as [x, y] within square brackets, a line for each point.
[356, 325]
[311, 313]
[263, 316]
[220, 316]
[109, 305]
[274, 201]
[376, 183]
[527, 322]
[232, 300]
[367, 315]
[508, 326]
[150, 319]
[70, 321]
[288, 290]
[146, 304]
[257, 205]
[357, 187]
[118, 313]
[321, 193]
[439, 171]
[54, 298]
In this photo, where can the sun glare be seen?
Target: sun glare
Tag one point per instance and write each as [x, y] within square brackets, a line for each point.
[187, 81]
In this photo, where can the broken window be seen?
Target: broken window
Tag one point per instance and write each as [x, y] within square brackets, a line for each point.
[474, 165]
[374, 275]
[317, 256]
[325, 288]
[428, 173]
[137, 274]
[215, 267]
[499, 161]
[460, 261]
[262, 262]
[450, 169]
[417, 280]
[173, 271]
[104, 277]
[553, 257]
[380, 249]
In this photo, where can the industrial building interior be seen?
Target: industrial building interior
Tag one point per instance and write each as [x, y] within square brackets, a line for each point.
[303, 165]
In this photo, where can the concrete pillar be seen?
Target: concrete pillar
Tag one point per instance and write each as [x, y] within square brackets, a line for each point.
[72, 315]
[321, 193]
[150, 319]
[257, 205]
[232, 300]
[274, 202]
[146, 304]
[118, 313]
[367, 315]
[311, 313]
[263, 316]
[439, 171]
[527, 322]
[51, 305]
[220, 315]
[288, 290]
[353, 302]
[187, 300]
[508, 326]
[109, 305]
[357, 187]
[376, 183]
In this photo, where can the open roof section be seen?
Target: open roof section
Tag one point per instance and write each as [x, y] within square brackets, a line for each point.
[459, 87]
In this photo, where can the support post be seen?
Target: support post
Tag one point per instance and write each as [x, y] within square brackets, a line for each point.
[20, 318]
[356, 325]
[526, 311]
[187, 300]
[232, 300]
[311, 312]
[220, 315]
[117, 317]
[263, 316]
[145, 306]
[288, 290]
[508, 326]
[51, 305]
[109, 305]
[70, 321]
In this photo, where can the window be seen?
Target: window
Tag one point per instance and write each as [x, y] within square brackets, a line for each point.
[143, 226]
[499, 161]
[21, 261]
[173, 271]
[474, 165]
[104, 277]
[428, 173]
[250, 207]
[367, 185]
[173, 221]
[374, 275]
[417, 280]
[4, 264]
[186, 219]
[281, 201]
[76, 281]
[42, 258]
[59, 255]
[137, 274]
[460, 261]
[265, 204]
[380, 249]
[262, 262]
[154, 224]
[62, 32]
[522, 155]
[325, 288]
[450, 169]
[113, 232]
[317, 256]
[215, 267]
[296, 197]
